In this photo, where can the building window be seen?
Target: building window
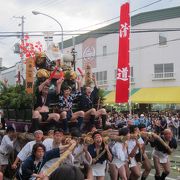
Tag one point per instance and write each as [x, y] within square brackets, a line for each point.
[163, 71]
[101, 77]
[162, 39]
[104, 50]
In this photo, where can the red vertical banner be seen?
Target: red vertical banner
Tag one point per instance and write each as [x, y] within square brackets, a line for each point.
[123, 70]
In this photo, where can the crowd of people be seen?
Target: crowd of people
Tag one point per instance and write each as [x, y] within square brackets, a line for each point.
[123, 158]
[153, 121]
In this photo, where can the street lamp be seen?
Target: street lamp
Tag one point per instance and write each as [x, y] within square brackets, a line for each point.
[36, 13]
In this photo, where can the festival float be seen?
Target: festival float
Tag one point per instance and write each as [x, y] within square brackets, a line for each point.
[17, 102]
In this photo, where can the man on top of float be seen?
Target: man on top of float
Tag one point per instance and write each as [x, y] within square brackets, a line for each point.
[66, 99]
[87, 103]
[41, 112]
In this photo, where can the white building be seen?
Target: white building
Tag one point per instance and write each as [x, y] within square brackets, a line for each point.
[11, 74]
[154, 55]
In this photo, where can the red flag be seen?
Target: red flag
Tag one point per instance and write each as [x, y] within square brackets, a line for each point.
[53, 73]
[80, 71]
[122, 79]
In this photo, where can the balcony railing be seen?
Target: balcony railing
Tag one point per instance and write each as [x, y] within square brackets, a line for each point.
[165, 75]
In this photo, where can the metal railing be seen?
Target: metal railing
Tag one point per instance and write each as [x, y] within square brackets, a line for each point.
[102, 82]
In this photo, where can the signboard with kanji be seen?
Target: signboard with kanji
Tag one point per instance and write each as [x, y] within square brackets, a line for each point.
[29, 75]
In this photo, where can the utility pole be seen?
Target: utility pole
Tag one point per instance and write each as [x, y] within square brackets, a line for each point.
[73, 52]
[22, 42]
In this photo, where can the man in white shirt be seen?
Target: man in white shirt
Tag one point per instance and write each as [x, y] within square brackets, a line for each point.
[52, 143]
[6, 147]
[27, 149]
[56, 141]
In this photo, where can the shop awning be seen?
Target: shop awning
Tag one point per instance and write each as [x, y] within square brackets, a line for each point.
[162, 95]
[110, 96]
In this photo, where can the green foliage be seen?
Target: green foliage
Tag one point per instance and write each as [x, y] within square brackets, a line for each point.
[15, 97]
[2, 87]
[101, 96]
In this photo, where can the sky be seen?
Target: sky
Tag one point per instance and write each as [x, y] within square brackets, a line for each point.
[72, 14]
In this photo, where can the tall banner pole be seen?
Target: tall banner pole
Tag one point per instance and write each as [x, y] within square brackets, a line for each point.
[123, 70]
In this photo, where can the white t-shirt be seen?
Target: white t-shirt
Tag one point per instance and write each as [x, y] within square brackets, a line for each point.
[118, 151]
[79, 156]
[48, 143]
[26, 151]
[6, 145]
[132, 144]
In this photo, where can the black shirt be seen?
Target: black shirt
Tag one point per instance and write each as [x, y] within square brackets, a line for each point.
[41, 101]
[92, 151]
[172, 144]
[86, 103]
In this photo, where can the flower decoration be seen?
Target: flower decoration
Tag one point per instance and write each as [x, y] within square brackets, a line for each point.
[30, 49]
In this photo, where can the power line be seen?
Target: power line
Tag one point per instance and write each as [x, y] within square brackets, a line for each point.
[134, 30]
[98, 23]
[103, 32]
[50, 2]
[117, 17]
[146, 6]
[152, 45]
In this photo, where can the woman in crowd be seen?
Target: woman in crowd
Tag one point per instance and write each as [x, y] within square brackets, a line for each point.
[161, 152]
[120, 157]
[135, 153]
[146, 163]
[100, 154]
